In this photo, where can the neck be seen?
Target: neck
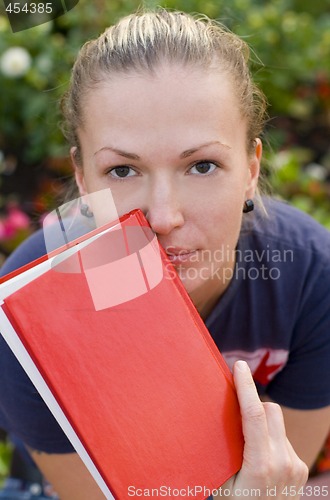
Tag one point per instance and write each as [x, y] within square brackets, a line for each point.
[205, 299]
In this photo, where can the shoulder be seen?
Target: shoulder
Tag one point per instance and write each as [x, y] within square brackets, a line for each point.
[286, 225]
[297, 249]
[287, 235]
[32, 248]
[54, 235]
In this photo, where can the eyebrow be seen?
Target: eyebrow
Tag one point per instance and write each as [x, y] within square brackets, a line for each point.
[185, 154]
[119, 152]
[191, 151]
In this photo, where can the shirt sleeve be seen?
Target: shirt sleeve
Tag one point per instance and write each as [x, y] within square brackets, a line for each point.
[22, 411]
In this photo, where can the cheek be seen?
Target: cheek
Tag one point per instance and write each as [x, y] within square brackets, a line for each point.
[223, 234]
[92, 181]
[221, 216]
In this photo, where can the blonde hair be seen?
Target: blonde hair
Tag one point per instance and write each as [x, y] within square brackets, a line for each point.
[141, 42]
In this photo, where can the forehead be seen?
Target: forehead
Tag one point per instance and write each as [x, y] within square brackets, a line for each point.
[174, 103]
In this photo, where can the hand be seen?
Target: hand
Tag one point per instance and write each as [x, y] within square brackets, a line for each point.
[270, 464]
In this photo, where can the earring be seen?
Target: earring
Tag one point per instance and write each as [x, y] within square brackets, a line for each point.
[248, 206]
[86, 211]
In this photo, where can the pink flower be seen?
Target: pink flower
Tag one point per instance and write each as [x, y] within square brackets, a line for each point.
[15, 220]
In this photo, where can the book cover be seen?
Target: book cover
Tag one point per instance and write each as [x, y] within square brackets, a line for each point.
[113, 343]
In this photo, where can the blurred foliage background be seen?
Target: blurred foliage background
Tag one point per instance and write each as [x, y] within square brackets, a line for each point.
[290, 41]
[290, 60]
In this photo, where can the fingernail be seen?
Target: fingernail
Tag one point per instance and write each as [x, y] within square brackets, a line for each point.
[242, 365]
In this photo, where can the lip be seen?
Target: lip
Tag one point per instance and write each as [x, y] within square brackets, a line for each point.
[178, 255]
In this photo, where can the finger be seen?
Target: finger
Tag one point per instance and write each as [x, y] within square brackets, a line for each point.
[286, 464]
[275, 423]
[283, 460]
[254, 421]
[302, 470]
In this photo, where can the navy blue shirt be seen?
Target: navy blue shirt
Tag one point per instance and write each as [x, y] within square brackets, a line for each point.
[275, 314]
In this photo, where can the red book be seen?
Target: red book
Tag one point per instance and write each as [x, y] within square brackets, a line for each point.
[114, 345]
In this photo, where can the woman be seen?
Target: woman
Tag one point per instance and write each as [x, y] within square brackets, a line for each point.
[162, 110]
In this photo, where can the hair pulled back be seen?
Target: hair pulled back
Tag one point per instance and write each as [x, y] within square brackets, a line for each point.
[140, 42]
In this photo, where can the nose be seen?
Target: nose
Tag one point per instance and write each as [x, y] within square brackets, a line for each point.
[164, 210]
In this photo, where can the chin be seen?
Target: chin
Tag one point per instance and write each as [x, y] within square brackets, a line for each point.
[193, 280]
[203, 284]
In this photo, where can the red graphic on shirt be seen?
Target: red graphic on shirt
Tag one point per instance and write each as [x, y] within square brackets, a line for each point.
[263, 373]
[264, 362]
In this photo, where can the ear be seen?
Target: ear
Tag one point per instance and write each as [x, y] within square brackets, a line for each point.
[78, 172]
[254, 170]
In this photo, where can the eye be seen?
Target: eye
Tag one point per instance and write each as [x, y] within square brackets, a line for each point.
[203, 167]
[121, 172]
